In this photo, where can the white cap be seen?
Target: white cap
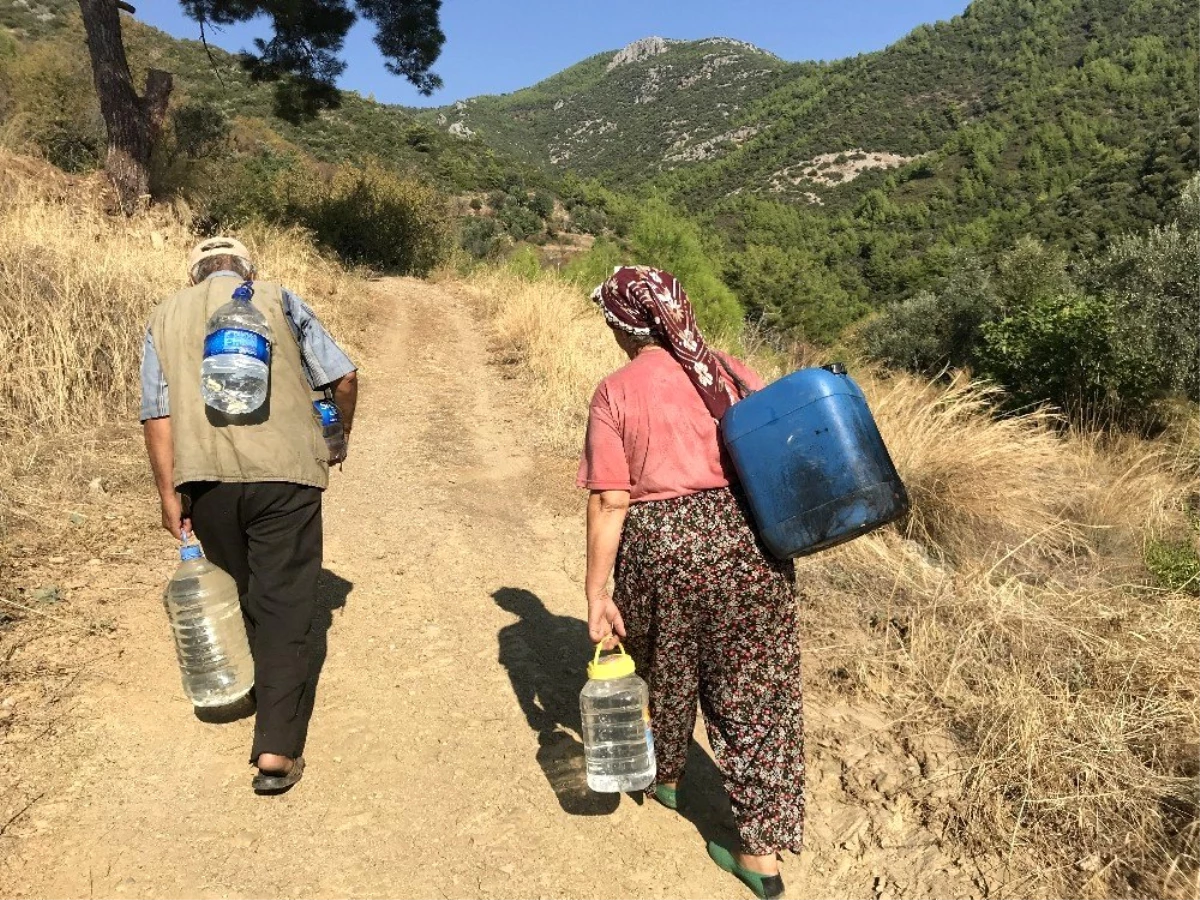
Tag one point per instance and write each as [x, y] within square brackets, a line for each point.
[216, 246]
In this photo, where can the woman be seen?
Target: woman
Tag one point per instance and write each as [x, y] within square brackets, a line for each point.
[705, 612]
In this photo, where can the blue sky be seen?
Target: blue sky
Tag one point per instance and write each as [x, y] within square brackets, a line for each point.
[495, 47]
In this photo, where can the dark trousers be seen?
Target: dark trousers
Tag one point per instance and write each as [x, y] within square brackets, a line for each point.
[267, 535]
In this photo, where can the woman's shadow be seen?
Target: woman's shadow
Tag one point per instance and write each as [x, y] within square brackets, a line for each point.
[544, 656]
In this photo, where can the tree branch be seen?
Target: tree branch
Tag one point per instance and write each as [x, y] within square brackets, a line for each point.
[208, 51]
[125, 7]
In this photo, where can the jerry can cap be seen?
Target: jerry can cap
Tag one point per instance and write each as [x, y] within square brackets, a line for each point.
[617, 665]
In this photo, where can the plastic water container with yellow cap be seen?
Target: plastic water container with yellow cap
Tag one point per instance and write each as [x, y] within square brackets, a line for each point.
[617, 742]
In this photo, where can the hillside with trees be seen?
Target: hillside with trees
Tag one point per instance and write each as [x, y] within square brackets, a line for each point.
[626, 115]
[852, 202]
[1051, 133]
[234, 154]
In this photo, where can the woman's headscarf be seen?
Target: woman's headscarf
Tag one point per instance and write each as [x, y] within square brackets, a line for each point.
[643, 301]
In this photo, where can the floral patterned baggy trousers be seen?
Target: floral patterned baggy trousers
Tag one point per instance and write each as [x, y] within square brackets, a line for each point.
[711, 616]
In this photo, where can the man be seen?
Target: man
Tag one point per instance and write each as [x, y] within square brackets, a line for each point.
[251, 485]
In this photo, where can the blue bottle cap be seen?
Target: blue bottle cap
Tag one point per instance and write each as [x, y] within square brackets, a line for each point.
[243, 291]
[190, 551]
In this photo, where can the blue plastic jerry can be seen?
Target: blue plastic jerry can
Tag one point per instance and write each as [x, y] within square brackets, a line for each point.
[811, 462]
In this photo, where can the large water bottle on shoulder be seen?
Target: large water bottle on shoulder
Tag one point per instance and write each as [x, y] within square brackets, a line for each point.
[235, 374]
[618, 745]
[210, 636]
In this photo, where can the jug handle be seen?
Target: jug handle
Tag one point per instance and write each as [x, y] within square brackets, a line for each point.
[600, 646]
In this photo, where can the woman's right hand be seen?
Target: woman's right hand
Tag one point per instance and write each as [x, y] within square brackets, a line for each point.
[604, 620]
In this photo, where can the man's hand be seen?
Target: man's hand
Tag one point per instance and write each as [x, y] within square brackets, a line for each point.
[604, 620]
[172, 516]
[341, 457]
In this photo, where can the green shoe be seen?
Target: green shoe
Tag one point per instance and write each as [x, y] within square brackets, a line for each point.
[667, 796]
[765, 887]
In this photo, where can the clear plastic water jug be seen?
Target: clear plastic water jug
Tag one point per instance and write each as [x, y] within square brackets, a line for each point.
[332, 427]
[235, 373]
[210, 637]
[618, 745]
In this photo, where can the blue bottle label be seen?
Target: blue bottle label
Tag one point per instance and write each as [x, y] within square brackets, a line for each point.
[327, 412]
[237, 341]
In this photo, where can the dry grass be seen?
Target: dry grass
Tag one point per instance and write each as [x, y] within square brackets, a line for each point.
[1012, 608]
[552, 332]
[76, 287]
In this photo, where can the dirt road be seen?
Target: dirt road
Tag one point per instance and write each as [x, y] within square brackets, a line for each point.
[443, 759]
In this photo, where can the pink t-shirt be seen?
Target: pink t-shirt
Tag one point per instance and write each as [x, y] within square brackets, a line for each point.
[649, 432]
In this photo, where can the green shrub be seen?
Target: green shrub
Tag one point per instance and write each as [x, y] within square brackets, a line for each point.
[586, 220]
[930, 331]
[524, 263]
[788, 289]
[198, 129]
[373, 216]
[1175, 564]
[1150, 283]
[542, 203]
[519, 221]
[248, 187]
[664, 238]
[906, 335]
[368, 214]
[591, 268]
[55, 103]
[481, 237]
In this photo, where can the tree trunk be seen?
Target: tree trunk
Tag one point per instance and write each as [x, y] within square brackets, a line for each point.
[133, 122]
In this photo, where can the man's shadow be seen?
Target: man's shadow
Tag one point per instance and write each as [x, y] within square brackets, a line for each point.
[545, 656]
[332, 591]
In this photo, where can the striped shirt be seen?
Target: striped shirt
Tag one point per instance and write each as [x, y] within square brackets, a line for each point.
[323, 360]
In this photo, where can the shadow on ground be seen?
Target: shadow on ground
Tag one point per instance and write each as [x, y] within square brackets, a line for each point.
[546, 657]
[332, 591]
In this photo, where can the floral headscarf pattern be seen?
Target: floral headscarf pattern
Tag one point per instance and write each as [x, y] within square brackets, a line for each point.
[643, 301]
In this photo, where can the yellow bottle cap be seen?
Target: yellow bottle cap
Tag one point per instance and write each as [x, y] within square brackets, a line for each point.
[618, 665]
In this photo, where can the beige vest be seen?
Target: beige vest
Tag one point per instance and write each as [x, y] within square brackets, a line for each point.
[281, 441]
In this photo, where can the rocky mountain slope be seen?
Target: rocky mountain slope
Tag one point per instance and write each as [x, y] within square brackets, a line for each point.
[648, 107]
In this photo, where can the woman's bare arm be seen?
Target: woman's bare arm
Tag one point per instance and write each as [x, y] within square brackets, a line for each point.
[605, 518]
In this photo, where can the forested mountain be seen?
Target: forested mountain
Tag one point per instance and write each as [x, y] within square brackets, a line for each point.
[1054, 88]
[836, 188]
[625, 115]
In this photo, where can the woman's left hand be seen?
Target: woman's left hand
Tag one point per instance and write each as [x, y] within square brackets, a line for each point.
[604, 620]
